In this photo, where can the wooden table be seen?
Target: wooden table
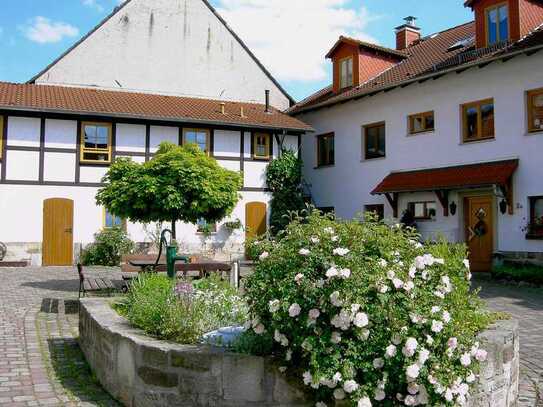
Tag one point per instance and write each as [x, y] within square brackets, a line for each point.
[203, 266]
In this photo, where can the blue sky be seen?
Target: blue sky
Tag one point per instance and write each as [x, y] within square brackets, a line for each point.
[34, 32]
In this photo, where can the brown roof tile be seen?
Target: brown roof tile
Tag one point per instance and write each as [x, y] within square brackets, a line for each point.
[464, 176]
[431, 55]
[72, 100]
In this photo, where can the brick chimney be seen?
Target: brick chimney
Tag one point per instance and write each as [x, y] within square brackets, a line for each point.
[407, 34]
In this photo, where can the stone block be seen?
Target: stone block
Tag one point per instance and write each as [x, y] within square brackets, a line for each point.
[243, 378]
[157, 377]
[154, 356]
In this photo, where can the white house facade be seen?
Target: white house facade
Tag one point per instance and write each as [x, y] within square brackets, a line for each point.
[450, 130]
[60, 132]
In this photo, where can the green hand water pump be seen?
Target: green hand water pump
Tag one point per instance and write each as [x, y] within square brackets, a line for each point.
[171, 253]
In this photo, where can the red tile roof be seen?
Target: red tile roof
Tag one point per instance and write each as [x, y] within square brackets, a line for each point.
[367, 45]
[88, 101]
[431, 56]
[464, 176]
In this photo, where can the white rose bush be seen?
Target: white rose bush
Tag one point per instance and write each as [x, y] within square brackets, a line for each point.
[364, 313]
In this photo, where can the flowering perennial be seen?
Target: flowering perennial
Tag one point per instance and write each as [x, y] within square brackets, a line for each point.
[363, 312]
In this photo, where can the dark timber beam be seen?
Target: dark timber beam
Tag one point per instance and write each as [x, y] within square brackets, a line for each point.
[392, 199]
[443, 197]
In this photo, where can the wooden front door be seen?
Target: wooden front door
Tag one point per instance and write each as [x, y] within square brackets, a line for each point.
[479, 221]
[255, 219]
[58, 217]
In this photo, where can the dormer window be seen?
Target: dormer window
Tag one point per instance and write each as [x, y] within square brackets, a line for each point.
[346, 72]
[497, 24]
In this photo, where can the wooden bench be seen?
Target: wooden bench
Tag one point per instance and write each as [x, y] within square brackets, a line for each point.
[87, 285]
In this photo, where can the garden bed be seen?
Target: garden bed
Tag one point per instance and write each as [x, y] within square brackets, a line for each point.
[142, 371]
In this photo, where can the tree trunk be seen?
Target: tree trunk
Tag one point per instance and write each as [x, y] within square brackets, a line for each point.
[174, 234]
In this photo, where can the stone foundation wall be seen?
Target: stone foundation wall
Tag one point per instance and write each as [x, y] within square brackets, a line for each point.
[141, 371]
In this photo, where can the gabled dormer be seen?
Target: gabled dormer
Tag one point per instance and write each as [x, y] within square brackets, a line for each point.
[355, 62]
[498, 21]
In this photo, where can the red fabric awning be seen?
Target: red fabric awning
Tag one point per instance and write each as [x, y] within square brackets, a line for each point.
[459, 177]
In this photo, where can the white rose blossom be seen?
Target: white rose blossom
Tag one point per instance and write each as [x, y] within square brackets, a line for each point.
[361, 320]
[334, 299]
[412, 372]
[437, 326]
[294, 310]
[481, 355]
[465, 359]
[378, 363]
[304, 252]
[350, 386]
[364, 402]
[340, 251]
[298, 278]
[345, 273]
[274, 305]
[379, 395]
[390, 351]
[332, 272]
[314, 239]
[339, 394]
[263, 256]
[259, 329]
[410, 347]
[314, 313]
[336, 337]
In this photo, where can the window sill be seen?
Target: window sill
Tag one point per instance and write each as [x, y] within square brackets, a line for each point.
[534, 132]
[421, 133]
[478, 141]
[94, 164]
[534, 237]
[320, 167]
[255, 158]
[364, 160]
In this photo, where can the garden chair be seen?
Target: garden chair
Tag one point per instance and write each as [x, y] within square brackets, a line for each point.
[87, 285]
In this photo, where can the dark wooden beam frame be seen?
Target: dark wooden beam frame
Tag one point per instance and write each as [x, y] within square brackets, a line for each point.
[393, 199]
[443, 197]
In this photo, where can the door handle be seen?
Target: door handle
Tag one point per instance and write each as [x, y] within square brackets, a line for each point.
[69, 230]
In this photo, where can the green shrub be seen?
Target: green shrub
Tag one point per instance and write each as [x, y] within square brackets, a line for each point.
[363, 312]
[528, 274]
[108, 247]
[181, 312]
[284, 178]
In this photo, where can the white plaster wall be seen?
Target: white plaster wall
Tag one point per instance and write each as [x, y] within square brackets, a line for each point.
[130, 138]
[92, 174]
[163, 133]
[254, 174]
[60, 133]
[227, 143]
[22, 165]
[136, 159]
[348, 184]
[170, 46]
[26, 202]
[230, 165]
[23, 131]
[59, 167]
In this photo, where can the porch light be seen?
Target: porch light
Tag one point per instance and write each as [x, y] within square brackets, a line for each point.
[452, 208]
[503, 206]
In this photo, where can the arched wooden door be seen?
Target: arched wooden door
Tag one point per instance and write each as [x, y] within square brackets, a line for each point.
[58, 217]
[255, 219]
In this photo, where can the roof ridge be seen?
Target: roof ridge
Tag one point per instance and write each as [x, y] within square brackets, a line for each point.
[213, 10]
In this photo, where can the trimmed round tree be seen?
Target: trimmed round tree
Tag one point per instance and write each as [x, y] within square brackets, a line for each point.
[180, 183]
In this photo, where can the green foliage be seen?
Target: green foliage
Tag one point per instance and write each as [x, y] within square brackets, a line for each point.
[108, 247]
[179, 183]
[528, 274]
[181, 312]
[363, 311]
[249, 343]
[284, 178]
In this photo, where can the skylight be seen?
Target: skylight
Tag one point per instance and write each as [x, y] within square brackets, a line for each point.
[465, 43]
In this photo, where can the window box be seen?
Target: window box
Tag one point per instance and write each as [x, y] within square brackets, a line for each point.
[535, 226]
[497, 24]
[261, 146]
[200, 137]
[423, 210]
[374, 141]
[421, 123]
[95, 143]
[535, 110]
[325, 150]
[478, 120]
[346, 73]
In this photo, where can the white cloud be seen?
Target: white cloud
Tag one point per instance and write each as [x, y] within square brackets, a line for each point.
[291, 37]
[93, 4]
[42, 30]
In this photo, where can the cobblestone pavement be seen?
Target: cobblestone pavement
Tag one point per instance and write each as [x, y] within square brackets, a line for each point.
[40, 361]
[41, 364]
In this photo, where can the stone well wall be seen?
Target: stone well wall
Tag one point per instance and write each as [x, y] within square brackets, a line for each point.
[141, 371]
